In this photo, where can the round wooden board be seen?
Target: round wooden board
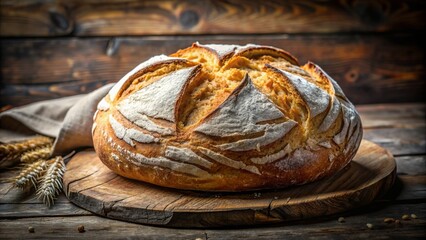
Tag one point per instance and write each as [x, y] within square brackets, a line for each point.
[92, 186]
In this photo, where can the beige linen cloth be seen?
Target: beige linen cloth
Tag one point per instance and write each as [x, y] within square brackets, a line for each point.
[68, 120]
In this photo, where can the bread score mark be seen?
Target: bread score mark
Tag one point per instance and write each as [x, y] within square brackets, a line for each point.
[354, 138]
[243, 113]
[331, 116]
[221, 50]
[187, 155]
[337, 89]
[95, 115]
[227, 161]
[316, 98]
[141, 160]
[157, 100]
[103, 105]
[115, 90]
[325, 144]
[130, 134]
[94, 127]
[272, 157]
[249, 49]
[348, 117]
[355, 141]
[144, 122]
[272, 132]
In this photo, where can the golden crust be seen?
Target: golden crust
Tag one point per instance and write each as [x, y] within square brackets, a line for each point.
[248, 120]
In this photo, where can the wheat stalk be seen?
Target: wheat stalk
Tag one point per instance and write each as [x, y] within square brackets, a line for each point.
[30, 173]
[51, 182]
[13, 151]
[37, 154]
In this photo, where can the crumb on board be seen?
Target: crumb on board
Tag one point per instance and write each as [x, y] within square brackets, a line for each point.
[389, 220]
[81, 229]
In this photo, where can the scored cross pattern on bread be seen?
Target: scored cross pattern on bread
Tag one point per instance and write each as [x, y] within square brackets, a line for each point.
[225, 118]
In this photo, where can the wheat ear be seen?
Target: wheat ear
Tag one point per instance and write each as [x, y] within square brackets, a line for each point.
[13, 151]
[30, 174]
[51, 182]
[34, 155]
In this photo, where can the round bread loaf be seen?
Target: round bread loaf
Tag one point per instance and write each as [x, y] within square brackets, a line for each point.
[226, 118]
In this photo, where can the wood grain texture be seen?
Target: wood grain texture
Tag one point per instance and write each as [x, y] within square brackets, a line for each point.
[412, 187]
[408, 189]
[400, 141]
[168, 17]
[370, 69]
[411, 165]
[95, 228]
[94, 187]
[34, 18]
[32, 210]
[397, 115]
[353, 228]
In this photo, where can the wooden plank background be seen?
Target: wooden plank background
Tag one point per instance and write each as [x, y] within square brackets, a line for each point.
[168, 17]
[374, 49]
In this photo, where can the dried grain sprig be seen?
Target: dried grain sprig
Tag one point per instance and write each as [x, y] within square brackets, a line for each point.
[20, 147]
[34, 155]
[51, 182]
[30, 174]
[13, 151]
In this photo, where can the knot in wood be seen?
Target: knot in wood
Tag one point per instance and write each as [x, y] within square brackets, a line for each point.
[189, 18]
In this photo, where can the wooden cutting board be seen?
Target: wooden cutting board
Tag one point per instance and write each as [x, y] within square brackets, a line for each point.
[93, 186]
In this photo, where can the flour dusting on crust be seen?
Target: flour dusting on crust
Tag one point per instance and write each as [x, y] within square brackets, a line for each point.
[186, 155]
[241, 113]
[331, 116]
[272, 157]
[299, 158]
[130, 134]
[158, 100]
[143, 121]
[221, 49]
[95, 115]
[141, 160]
[325, 144]
[227, 161]
[348, 117]
[272, 132]
[316, 98]
[154, 60]
[93, 128]
[103, 105]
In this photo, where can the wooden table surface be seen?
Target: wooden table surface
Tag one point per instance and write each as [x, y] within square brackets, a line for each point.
[401, 128]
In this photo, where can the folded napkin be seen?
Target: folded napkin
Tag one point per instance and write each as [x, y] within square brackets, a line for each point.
[68, 120]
